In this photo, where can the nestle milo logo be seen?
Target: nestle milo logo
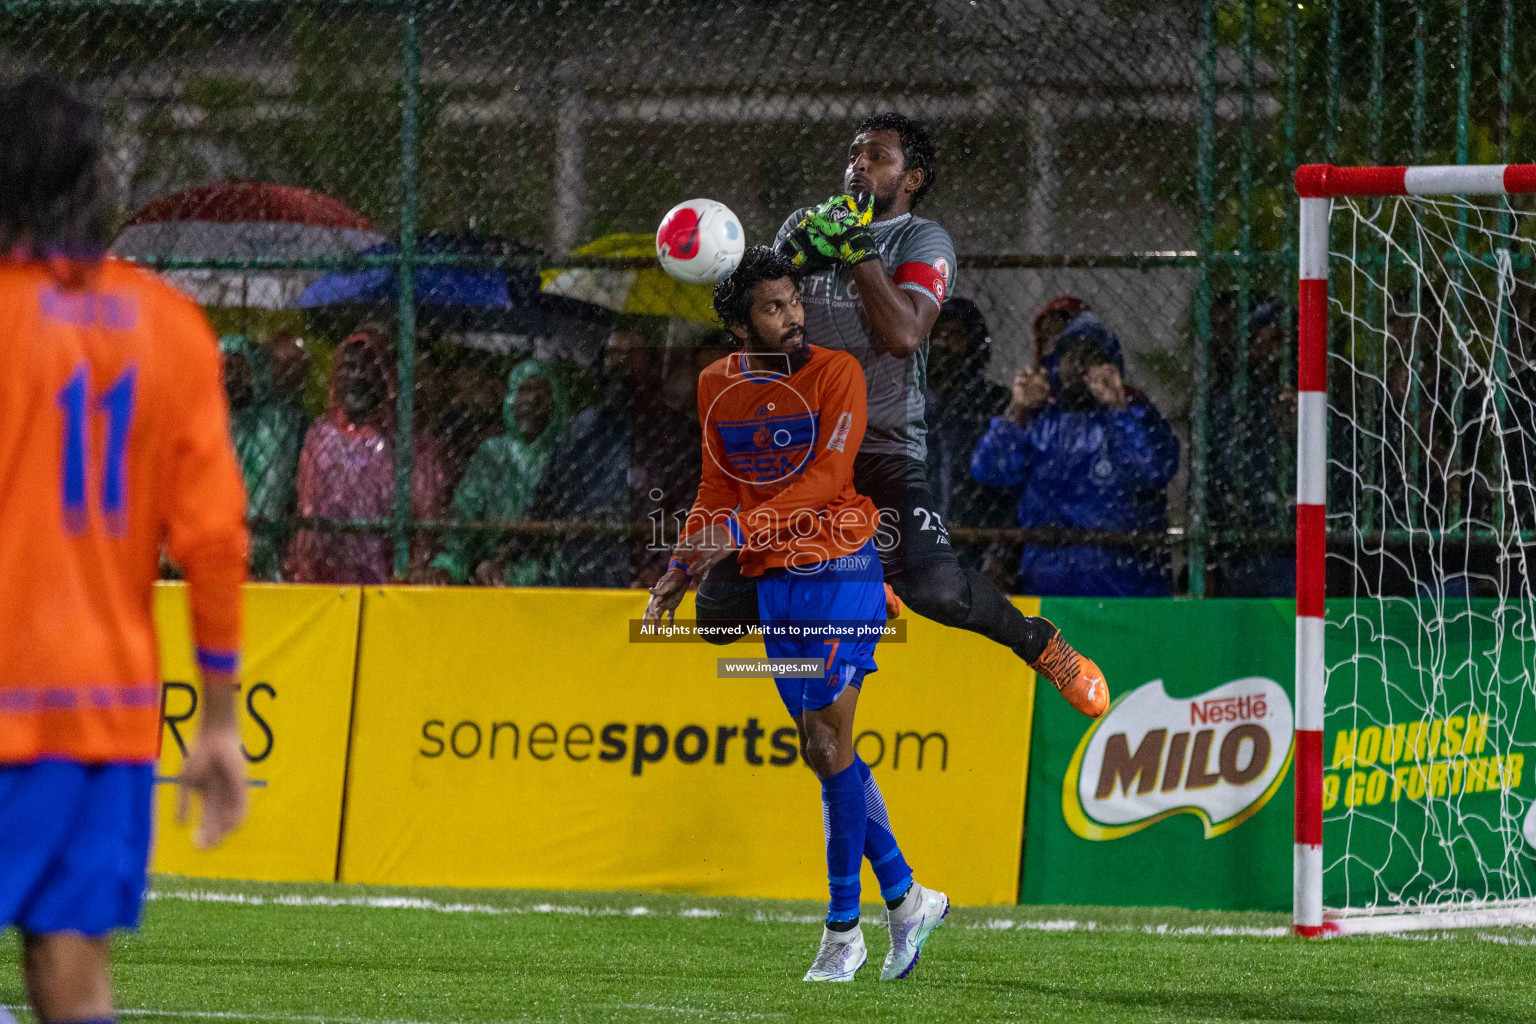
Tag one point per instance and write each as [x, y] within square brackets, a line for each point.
[1219, 756]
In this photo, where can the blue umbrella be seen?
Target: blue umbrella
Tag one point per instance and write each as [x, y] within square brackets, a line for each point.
[436, 285]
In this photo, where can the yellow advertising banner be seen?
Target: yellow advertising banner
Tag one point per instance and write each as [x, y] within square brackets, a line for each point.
[295, 706]
[520, 738]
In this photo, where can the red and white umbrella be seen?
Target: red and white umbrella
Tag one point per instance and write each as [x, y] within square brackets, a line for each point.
[244, 220]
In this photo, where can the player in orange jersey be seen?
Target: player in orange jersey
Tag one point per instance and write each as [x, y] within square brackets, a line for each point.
[782, 422]
[114, 444]
[875, 277]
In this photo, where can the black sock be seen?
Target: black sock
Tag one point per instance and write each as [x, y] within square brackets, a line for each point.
[842, 926]
[994, 617]
[899, 900]
[1040, 633]
[965, 599]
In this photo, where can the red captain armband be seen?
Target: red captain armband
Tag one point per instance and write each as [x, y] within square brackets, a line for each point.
[932, 278]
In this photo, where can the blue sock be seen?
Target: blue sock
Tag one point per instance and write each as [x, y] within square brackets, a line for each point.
[843, 818]
[880, 847]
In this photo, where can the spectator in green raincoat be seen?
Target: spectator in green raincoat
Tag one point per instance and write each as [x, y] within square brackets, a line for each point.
[499, 483]
[268, 433]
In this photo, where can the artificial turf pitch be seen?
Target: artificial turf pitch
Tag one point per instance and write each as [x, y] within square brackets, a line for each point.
[245, 952]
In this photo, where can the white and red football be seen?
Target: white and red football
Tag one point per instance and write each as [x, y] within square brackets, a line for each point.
[700, 241]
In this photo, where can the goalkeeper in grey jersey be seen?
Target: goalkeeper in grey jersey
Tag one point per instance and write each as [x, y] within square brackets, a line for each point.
[873, 278]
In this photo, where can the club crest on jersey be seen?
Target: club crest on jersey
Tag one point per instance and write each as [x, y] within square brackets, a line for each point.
[768, 451]
[840, 433]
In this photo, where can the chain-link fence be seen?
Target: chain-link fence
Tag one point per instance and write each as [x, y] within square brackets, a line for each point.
[451, 356]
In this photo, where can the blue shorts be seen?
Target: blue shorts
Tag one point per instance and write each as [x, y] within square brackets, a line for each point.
[74, 845]
[845, 592]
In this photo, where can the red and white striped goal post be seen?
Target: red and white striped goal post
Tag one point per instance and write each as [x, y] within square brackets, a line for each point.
[1317, 184]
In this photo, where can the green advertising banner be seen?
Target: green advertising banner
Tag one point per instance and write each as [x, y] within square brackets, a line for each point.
[1429, 746]
[1181, 794]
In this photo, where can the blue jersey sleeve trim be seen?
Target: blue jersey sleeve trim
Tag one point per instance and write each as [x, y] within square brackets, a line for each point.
[218, 661]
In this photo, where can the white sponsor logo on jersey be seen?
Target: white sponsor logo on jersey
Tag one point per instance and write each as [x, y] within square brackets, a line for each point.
[840, 435]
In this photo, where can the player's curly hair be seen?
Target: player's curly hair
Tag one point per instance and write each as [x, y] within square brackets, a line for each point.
[916, 147]
[733, 293]
[51, 186]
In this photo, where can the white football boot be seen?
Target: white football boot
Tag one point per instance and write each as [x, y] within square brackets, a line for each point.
[840, 956]
[910, 925]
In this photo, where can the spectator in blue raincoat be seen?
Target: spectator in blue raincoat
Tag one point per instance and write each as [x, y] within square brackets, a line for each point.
[1096, 457]
[1050, 324]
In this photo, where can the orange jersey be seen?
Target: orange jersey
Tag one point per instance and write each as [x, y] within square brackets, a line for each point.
[114, 442]
[779, 448]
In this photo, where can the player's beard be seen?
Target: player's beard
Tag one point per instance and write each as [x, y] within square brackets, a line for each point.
[863, 190]
[798, 355]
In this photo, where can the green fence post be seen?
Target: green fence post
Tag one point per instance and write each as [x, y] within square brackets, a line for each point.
[1285, 521]
[1506, 76]
[1506, 228]
[1378, 74]
[1205, 181]
[1331, 99]
[405, 448]
[1240, 372]
[1420, 85]
[1237, 384]
[1463, 88]
[1463, 154]
[1292, 98]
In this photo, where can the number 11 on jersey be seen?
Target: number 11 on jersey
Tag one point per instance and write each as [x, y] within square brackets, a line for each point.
[117, 403]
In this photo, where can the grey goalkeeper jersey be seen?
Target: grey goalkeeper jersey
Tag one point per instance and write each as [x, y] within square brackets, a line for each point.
[920, 257]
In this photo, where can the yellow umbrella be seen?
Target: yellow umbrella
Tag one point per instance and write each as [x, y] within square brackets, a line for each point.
[647, 290]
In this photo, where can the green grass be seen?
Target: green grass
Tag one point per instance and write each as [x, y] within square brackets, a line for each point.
[508, 959]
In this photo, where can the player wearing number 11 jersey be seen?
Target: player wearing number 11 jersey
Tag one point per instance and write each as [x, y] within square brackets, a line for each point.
[114, 444]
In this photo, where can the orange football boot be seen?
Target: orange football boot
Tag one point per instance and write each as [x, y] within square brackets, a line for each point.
[1077, 677]
[893, 606]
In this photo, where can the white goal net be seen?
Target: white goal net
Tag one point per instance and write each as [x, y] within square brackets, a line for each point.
[1429, 727]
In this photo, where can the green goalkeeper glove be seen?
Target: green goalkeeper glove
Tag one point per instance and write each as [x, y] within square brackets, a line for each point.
[841, 225]
[808, 254]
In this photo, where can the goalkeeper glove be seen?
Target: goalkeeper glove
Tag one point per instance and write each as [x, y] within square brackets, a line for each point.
[841, 224]
[808, 254]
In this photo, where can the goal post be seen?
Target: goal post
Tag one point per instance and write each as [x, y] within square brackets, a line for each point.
[1416, 514]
